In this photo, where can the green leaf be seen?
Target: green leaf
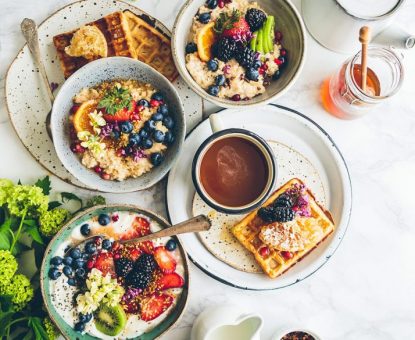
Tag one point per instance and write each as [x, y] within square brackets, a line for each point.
[36, 324]
[31, 223]
[19, 182]
[39, 253]
[68, 196]
[95, 200]
[33, 231]
[5, 305]
[44, 184]
[54, 204]
[5, 319]
[6, 235]
[19, 248]
[115, 100]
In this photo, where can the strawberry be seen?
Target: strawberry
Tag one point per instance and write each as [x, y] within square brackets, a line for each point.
[146, 247]
[165, 260]
[239, 31]
[155, 305]
[121, 115]
[105, 263]
[139, 227]
[172, 280]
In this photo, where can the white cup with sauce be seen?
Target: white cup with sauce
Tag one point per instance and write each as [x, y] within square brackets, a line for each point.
[234, 170]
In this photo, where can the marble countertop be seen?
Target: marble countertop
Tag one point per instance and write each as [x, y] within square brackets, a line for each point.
[366, 291]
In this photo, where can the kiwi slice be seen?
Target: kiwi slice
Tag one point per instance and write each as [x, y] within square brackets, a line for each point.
[259, 46]
[110, 320]
[254, 41]
[268, 29]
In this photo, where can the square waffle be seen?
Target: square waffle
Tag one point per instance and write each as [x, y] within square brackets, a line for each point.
[318, 227]
[117, 34]
[151, 46]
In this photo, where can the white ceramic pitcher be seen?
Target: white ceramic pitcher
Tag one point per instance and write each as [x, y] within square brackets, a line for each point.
[226, 323]
[335, 24]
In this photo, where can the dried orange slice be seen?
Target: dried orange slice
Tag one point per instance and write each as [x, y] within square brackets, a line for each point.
[81, 120]
[205, 39]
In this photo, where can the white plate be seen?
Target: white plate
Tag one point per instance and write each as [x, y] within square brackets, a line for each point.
[299, 133]
[26, 98]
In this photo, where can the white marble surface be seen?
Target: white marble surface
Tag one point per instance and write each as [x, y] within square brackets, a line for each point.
[366, 291]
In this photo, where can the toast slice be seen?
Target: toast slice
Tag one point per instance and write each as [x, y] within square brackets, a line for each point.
[315, 229]
[151, 46]
[117, 35]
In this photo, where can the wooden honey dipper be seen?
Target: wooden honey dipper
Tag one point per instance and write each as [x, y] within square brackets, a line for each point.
[364, 38]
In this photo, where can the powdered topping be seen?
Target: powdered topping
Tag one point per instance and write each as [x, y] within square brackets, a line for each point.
[283, 236]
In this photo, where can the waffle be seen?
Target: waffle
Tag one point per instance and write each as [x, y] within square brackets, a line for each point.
[117, 34]
[317, 228]
[151, 46]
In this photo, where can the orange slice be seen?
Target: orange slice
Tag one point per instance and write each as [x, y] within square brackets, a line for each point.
[81, 121]
[205, 39]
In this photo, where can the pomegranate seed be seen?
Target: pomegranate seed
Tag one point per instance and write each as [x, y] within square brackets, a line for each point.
[264, 251]
[74, 108]
[139, 108]
[77, 148]
[98, 169]
[72, 134]
[98, 240]
[221, 3]
[287, 255]
[236, 97]
[278, 36]
[90, 264]
[105, 176]
[278, 61]
[283, 52]
[117, 256]
[120, 152]
[154, 103]
[115, 217]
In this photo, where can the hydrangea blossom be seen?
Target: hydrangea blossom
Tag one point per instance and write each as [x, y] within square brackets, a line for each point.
[5, 186]
[27, 200]
[20, 290]
[8, 267]
[52, 221]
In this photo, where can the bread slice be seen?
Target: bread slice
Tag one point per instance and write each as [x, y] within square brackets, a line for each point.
[117, 35]
[318, 227]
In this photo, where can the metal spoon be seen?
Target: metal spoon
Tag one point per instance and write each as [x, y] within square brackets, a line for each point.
[29, 30]
[195, 224]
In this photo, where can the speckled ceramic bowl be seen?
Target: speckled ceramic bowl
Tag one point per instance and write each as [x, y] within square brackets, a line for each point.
[90, 75]
[287, 20]
[54, 248]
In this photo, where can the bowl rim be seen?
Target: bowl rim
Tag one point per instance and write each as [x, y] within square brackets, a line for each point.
[97, 185]
[136, 208]
[228, 103]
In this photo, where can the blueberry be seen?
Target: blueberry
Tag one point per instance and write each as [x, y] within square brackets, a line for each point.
[191, 47]
[171, 245]
[68, 271]
[75, 253]
[150, 125]
[157, 117]
[79, 263]
[143, 102]
[79, 327]
[126, 127]
[135, 139]
[276, 75]
[85, 229]
[168, 122]
[212, 65]
[116, 135]
[252, 74]
[143, 133]
[204, 18]
[147, 143]
[85, 256]
[156, 158]
[104, 219]
[54, 273]
[213, 90]
[257, 64]
[220, 80]
[158, 136]
[163, 109]
[56, 261]
[157, 96]
[68, 260]
[90, 247]
[71, 281]
[80, 272]
[168, 138]
[106, 244]
[84, 318]
[212, 4]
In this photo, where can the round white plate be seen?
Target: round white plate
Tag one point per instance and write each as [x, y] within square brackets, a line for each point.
[301, 134]
[26, 98]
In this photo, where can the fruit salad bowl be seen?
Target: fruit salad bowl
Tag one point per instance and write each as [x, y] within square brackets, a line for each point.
[238, 53]
[104, 289]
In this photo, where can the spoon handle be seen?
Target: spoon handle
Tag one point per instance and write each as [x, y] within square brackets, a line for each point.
[195, 224]
[29, 30]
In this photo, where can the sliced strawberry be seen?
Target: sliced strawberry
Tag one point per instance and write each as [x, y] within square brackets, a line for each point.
[139, 227]
[239, 31]
[165, 260]
[105, 263]
[172, 280]
[146, 247]
[155, 305]
[121, 115]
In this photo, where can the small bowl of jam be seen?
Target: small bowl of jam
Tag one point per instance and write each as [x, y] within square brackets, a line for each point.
[295, 334]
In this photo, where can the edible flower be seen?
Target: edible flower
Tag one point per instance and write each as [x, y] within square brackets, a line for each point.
[91, 142]
[97, 121]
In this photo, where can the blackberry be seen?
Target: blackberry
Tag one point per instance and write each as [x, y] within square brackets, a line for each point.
[267, 214]
[255, 19]
[224, 49]
[284, 214]
[138, 279]
[146, 263]
[123, 266]
[245, 56]
[284, 201]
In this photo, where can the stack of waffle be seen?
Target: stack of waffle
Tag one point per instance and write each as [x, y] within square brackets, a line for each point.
[126, 35]
[287, 243]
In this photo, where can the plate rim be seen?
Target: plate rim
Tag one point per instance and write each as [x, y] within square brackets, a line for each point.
[327, 257]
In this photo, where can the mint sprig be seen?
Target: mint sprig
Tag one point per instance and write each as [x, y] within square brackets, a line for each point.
[115, 100]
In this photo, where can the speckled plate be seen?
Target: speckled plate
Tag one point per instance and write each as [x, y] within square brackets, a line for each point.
[55, 247]
[219, 239]
[26, 98]
[304, 150]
